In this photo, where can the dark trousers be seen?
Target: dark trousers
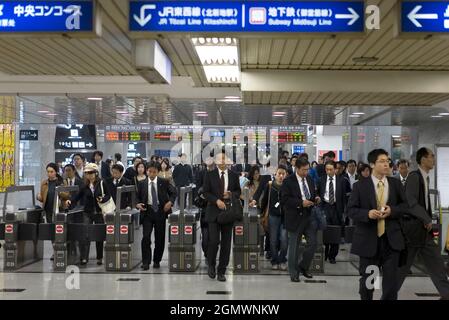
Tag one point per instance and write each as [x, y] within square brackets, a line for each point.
[387, 260]
[307, 229]
[219, 234]
[434, 263]
[150, 221]
[204, 232]
[85, 245]
[332, 219]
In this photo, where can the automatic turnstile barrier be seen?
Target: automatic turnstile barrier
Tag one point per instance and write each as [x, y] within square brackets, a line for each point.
[246, 239]
[184, 249]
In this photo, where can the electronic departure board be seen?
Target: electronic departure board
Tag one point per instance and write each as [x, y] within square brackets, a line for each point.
[173, 133]
[127, 133]
[292, 134]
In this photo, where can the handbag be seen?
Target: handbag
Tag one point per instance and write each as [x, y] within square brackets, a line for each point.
[265, 216]
[319, 218]
[232, 213]
[108, 206]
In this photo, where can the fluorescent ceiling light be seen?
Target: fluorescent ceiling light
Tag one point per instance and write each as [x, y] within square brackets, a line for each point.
[279, 112]
[437, 116]
[220, 59]
[43, 111]
[444, 114]
[359, 113]
[233, 97]
[95, 98]
[200, 112]
[354, 116]
[229, 100]
[202, 115]
[52, 114]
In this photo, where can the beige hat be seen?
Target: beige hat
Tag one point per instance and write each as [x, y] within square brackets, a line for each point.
[91, 167]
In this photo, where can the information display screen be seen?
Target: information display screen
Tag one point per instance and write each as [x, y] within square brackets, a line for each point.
[79, 136]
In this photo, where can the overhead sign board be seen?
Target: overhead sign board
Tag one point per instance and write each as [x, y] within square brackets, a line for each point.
[48, 16]
[29, 135]
[247, 16]
[429, 17]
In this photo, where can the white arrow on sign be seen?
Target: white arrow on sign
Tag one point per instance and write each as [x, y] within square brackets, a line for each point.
[414, 16]
[144, 19]
[353, 16]
[89, 144]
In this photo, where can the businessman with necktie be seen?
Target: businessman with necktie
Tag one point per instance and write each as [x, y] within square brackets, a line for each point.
[156, 197]
[376, 205]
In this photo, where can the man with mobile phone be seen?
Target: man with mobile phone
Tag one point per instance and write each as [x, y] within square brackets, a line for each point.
[298, 196]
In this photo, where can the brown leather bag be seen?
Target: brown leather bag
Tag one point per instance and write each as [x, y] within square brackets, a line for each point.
[264, 219]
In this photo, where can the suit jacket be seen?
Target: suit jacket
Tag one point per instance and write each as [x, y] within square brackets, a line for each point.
[182, 175]
[212, 191]
[80, 183]
[291, 202]
[339, 194]
[90, 200]
[413, 222]
[126, 198]
[361, 201]
[165, 192]
[105, 170]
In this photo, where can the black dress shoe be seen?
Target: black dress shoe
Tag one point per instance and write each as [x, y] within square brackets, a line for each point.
[100, 262]
[156, 265]
[332, 261]
[211, 272]
[146, 267]
[221, 277]
[295, 279]
[306, 274]
[83, 262]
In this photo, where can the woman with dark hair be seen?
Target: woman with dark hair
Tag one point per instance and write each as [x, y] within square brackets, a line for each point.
[141, 175]
[131, 172]
[48, 190]
[364, 171]
[314, 164]
[94, 191]
[165, 172]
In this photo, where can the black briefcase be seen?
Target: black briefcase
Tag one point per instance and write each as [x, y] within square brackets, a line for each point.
[232, 213]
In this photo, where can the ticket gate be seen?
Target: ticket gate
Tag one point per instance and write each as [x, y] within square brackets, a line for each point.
[122, 227]
[184, 249]
[246, 239]
[20, 231]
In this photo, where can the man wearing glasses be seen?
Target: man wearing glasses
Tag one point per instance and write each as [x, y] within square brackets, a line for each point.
[376, 205]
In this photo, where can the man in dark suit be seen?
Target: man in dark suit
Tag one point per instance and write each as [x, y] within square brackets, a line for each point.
[72, 179]
[417, 225]
[103, 168]
[117, 180]
[332, 191]
[352, 172]
[218, 187]
[156, 197]
[376, 205]
[182, 174]
[403, 166]
[297, 198]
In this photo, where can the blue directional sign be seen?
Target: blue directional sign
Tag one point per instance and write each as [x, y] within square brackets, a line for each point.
[46, 16]
[425, 16]
[246, 16]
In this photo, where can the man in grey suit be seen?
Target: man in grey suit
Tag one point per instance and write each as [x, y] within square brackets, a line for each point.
[417, 225]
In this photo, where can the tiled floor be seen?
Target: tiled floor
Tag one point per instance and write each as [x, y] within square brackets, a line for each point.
[341, 282]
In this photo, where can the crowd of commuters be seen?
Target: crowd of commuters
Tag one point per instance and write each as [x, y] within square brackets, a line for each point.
[387, 203]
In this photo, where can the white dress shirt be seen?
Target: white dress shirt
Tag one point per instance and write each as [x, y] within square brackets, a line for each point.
[301, 187]
[326, 194]
[80, 172]
[99, 169]
[352, 179]
[150, 198]
[226, 178]
[386, 188]
[70, 182]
